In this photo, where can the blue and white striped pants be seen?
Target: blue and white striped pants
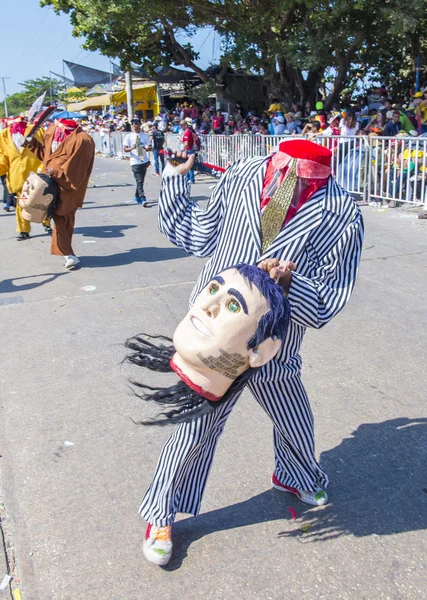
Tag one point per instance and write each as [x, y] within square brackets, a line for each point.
[186, 459]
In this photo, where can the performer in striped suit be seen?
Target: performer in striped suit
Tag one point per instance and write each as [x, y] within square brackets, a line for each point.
[316, 243]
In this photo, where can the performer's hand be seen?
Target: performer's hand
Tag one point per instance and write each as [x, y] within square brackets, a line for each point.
[182, 169]
[51, 172]
[280, 271]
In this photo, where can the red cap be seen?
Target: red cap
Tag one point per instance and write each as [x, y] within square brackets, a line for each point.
[307, 150]
[18, 125]
[68, 123]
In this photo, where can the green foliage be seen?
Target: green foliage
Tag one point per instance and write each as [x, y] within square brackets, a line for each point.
[202, 93]
[133, 30]
[33, 88]
[294, 44]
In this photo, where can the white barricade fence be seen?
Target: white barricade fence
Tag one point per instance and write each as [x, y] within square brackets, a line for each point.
[98, 140]
[398, 169]
[109, 144]
[350, 162]
[373, 168]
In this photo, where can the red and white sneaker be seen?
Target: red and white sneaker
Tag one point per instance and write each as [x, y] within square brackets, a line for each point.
[157, 546]
[317, 498]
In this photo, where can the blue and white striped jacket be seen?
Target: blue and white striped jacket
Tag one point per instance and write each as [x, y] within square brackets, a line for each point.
[324, 239]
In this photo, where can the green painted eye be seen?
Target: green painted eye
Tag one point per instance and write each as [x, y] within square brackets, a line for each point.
[233, 306]
[213, 288]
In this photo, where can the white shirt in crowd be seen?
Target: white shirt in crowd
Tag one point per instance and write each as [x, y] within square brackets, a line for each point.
[292, 127]
[138, 156]
[348, 131]
[279, 128]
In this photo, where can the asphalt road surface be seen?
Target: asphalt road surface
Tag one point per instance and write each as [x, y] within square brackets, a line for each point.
[74, 466]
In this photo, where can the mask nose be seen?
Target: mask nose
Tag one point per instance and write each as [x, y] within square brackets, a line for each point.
[211, 307]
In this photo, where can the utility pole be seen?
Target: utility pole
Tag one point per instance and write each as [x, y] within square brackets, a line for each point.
[129, 94]
[50, 86]
[5, 96]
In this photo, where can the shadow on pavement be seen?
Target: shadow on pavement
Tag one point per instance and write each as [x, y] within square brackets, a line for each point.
[129, 204]
[104, 231]
[8, 285]
[135, 255]
[112, 185]
[379, 487]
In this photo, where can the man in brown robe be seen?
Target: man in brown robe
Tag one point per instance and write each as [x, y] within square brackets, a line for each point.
[67, 153]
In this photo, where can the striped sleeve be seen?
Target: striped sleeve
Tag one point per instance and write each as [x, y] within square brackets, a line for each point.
[183, 222]
[315, 300]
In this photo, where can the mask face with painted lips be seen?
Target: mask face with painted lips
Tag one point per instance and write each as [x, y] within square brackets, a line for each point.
[211, 342]
[37, 194]
[236, 325]
[34, 188]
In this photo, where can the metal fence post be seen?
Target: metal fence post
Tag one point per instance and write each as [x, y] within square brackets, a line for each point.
[368, 170]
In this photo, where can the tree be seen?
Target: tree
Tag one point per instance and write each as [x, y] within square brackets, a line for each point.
[297, 44]
[136, 30]
[21, 101]
[403, 37]
[293, 44]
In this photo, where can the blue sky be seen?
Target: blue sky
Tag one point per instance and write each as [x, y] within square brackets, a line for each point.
[34, 41]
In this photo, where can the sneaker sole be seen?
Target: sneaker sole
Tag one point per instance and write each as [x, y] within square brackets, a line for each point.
[154, 558]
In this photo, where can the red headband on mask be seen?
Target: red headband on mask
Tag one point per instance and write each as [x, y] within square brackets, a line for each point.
[69, 123]
[18, 125]
[314, 161]
[63, 129]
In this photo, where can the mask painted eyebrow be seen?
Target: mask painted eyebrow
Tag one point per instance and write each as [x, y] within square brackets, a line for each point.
[240, 298]
[219, 279]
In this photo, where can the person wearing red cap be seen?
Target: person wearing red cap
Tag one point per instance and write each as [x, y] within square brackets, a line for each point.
[286, 214]
[67, 153]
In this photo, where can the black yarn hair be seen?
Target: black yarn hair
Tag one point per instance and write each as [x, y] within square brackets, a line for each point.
[51, 188]
[146, 354]
[184, 403]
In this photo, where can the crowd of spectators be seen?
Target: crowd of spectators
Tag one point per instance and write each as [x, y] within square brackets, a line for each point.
[373, 114]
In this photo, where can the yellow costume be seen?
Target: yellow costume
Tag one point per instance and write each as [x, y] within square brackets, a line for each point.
[276, 107]
[422, 108]
[17, 165]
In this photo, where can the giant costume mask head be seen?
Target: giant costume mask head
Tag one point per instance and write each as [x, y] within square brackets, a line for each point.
[236, 325]
[38, 197]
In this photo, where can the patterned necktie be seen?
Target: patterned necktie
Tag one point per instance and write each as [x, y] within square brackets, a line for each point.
[138, 145]
[275, 212]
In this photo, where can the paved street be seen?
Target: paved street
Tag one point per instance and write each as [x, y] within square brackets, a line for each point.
[74, 466]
